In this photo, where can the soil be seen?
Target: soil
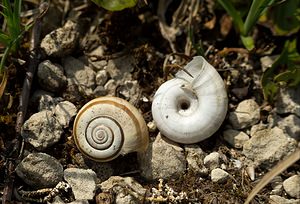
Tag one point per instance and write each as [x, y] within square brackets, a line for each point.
[136, 32]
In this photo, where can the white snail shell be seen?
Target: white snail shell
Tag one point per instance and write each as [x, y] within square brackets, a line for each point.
[190, 109]
[108, 126]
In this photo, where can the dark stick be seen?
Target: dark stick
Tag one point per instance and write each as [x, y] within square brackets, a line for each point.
[24, 98]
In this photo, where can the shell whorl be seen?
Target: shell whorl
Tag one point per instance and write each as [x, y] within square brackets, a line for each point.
[106, 127]
[189, 109]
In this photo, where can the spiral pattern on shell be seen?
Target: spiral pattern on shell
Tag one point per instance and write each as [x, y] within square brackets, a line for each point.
[106, 127]
[189, 109]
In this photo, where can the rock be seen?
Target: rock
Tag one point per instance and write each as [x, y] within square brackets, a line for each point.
[163, 159]
[101, 77]
[51, 76]
[81, 75]
[235, 138]
[288, 101]
[42, 130]
[103, 170]
[212, 160]
[257, 127]
[98, 65]
[120, 68]
[268, 146]
[290, 125]
[72, 93]
[111, 86]
[100, 91]
[267, 61]
[62, 41]
[127, 190]
[291, 186]
[82, 181]
[45, 100]
[194, 157]
[275, 199]
[246, 114]
[40, 170]
[151, 126]
[130, 90]
[64, 112]
[219, 175]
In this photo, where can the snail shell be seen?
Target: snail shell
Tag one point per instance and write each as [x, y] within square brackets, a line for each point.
[106, 127]
[189, 109]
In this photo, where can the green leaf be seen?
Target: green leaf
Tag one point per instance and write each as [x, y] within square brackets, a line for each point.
[286, 17]
[115, 5]
[4, 38]
[256, 10]
[248, 42]
[290, 78]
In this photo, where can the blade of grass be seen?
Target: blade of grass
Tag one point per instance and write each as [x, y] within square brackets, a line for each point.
[3, 83]
[256, 10]
[236, 17]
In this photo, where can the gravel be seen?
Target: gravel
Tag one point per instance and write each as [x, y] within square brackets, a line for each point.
[40, 170]
[235, 138]
[62, 41]
[246, 114]
[42, 130]
[82, 181]
[163, 159]
[268, 146]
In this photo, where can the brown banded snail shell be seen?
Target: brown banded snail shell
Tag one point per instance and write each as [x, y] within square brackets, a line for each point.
[107, 127]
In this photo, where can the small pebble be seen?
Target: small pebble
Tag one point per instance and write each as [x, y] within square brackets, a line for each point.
[40, 170]
[292, 186]
[219, 175]
[268, 146]
[246, 114]
[82, 181]
[101, 77]
[163, 159]
[42, 130]
[51, 76]
[62, 41]
[235, 138]
[212, 160]
[64, 112]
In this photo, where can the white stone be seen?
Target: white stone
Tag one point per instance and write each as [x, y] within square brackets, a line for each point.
[82, 76]
[219, 175]
[163, 159]
[246, 114]
[62, 41]
[268, 146]
[275, 199]
[42, 130]
[64, 112]
[212, 160]
[235, 138]
[101, 77]
[291, 186]
[40, 170]
[82, 182]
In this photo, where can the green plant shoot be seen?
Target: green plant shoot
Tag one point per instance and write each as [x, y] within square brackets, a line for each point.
[257, 8]
[115, 5]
